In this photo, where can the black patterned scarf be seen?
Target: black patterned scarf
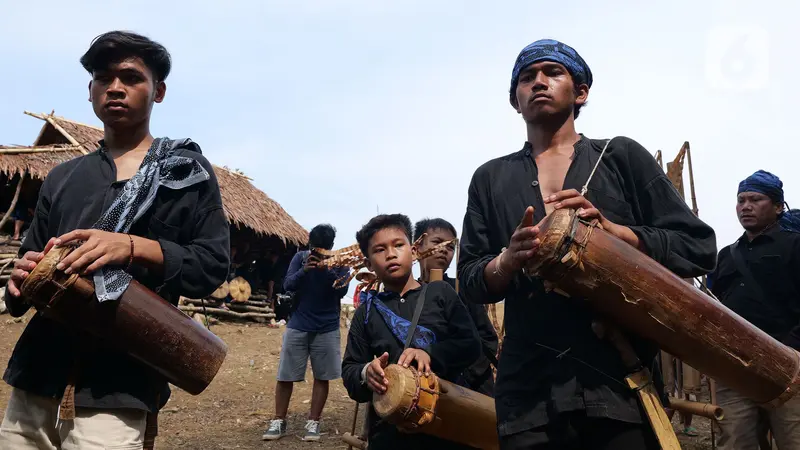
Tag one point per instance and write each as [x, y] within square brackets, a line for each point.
[160, 167]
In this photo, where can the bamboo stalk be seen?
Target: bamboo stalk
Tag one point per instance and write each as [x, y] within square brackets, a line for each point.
[224, 313]
[707, 410]
[13, 201]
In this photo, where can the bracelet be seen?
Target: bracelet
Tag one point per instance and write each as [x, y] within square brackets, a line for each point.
[497, 269]
[130, 258]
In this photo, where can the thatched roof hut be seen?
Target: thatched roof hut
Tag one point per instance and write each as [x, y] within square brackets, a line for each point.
[252, 214]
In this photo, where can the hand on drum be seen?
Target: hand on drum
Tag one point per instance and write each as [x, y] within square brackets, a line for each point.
[99, 249]
[422, 358]
[24, 266]
[573, 199]
[376, 378]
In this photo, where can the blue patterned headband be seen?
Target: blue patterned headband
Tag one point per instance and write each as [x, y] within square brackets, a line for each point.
[555, 51]
[765, 183]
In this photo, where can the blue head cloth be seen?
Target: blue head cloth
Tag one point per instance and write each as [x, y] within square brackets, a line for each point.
[555, 51]
[765, 183]
[768, 184]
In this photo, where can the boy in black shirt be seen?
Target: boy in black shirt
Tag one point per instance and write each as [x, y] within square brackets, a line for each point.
[478, 376]
[141, 208]
[445, 340]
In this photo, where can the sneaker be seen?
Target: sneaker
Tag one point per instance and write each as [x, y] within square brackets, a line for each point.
[690, 431]
[312, 430]
[276, 430]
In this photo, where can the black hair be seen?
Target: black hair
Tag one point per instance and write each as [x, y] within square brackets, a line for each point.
[427, 224]
[322, 236]
[115, 46]
[379, 223]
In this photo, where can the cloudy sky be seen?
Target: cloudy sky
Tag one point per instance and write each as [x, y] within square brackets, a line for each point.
[340, 109]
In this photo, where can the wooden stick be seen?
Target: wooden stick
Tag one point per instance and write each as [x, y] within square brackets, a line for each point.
[707, 410]
[639, 381]
[353, 428]
[224, 313]
[13, 201]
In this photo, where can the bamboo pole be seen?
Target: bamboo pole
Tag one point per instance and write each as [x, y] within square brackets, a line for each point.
[13, 201]
[708, 410]
[691, 179]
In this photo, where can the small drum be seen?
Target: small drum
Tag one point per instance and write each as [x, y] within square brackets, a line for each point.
[636, 293]
[431, 405]
[140, 323]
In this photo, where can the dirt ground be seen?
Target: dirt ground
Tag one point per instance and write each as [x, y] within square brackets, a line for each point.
[232, 413]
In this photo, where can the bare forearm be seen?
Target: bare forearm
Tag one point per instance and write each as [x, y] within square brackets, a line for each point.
[627, 235]
[147, 253]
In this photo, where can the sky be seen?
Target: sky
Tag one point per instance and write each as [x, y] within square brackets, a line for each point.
[342, 109]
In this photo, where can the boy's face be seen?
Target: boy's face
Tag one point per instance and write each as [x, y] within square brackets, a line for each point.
[442, 258]
[122, 95]
[389, 255]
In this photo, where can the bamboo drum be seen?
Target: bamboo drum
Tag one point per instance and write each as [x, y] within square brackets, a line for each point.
[636, 293]
[140, 323]
[444, 409]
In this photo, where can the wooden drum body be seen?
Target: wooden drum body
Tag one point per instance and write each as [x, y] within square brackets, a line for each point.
[430, 405]
[582, 260]
[141, 323]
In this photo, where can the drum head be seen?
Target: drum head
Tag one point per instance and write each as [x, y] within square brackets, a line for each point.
[239, 290]
[398, 398]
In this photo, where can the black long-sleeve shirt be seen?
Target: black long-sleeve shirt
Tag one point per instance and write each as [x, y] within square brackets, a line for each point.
[194, 235]
[478, 375]
[457, 346]
[551, 360]
[773, 259]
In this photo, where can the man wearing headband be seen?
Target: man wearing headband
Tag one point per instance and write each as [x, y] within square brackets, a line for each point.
[756, 277]
[558, 384]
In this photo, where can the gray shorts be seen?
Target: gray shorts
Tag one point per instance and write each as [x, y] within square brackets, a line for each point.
[324, 349]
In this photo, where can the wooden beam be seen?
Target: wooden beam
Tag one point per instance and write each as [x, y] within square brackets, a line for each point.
[24, 150]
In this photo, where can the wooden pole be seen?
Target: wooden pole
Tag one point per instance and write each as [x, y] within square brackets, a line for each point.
[691, 179]
[13, 201]
[639, 381]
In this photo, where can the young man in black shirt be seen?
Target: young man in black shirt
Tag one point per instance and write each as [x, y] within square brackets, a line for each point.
[558, 384]
[756, 277]
[138, 207]
[478, 376]
[445, 341]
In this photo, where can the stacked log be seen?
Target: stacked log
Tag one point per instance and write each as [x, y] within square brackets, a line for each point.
[6, 266]
[253, 310]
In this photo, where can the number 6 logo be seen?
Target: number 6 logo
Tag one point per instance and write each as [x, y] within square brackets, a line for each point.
[737, 58]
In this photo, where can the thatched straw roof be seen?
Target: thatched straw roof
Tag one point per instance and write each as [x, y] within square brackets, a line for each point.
[37, 161]
[61, 139]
